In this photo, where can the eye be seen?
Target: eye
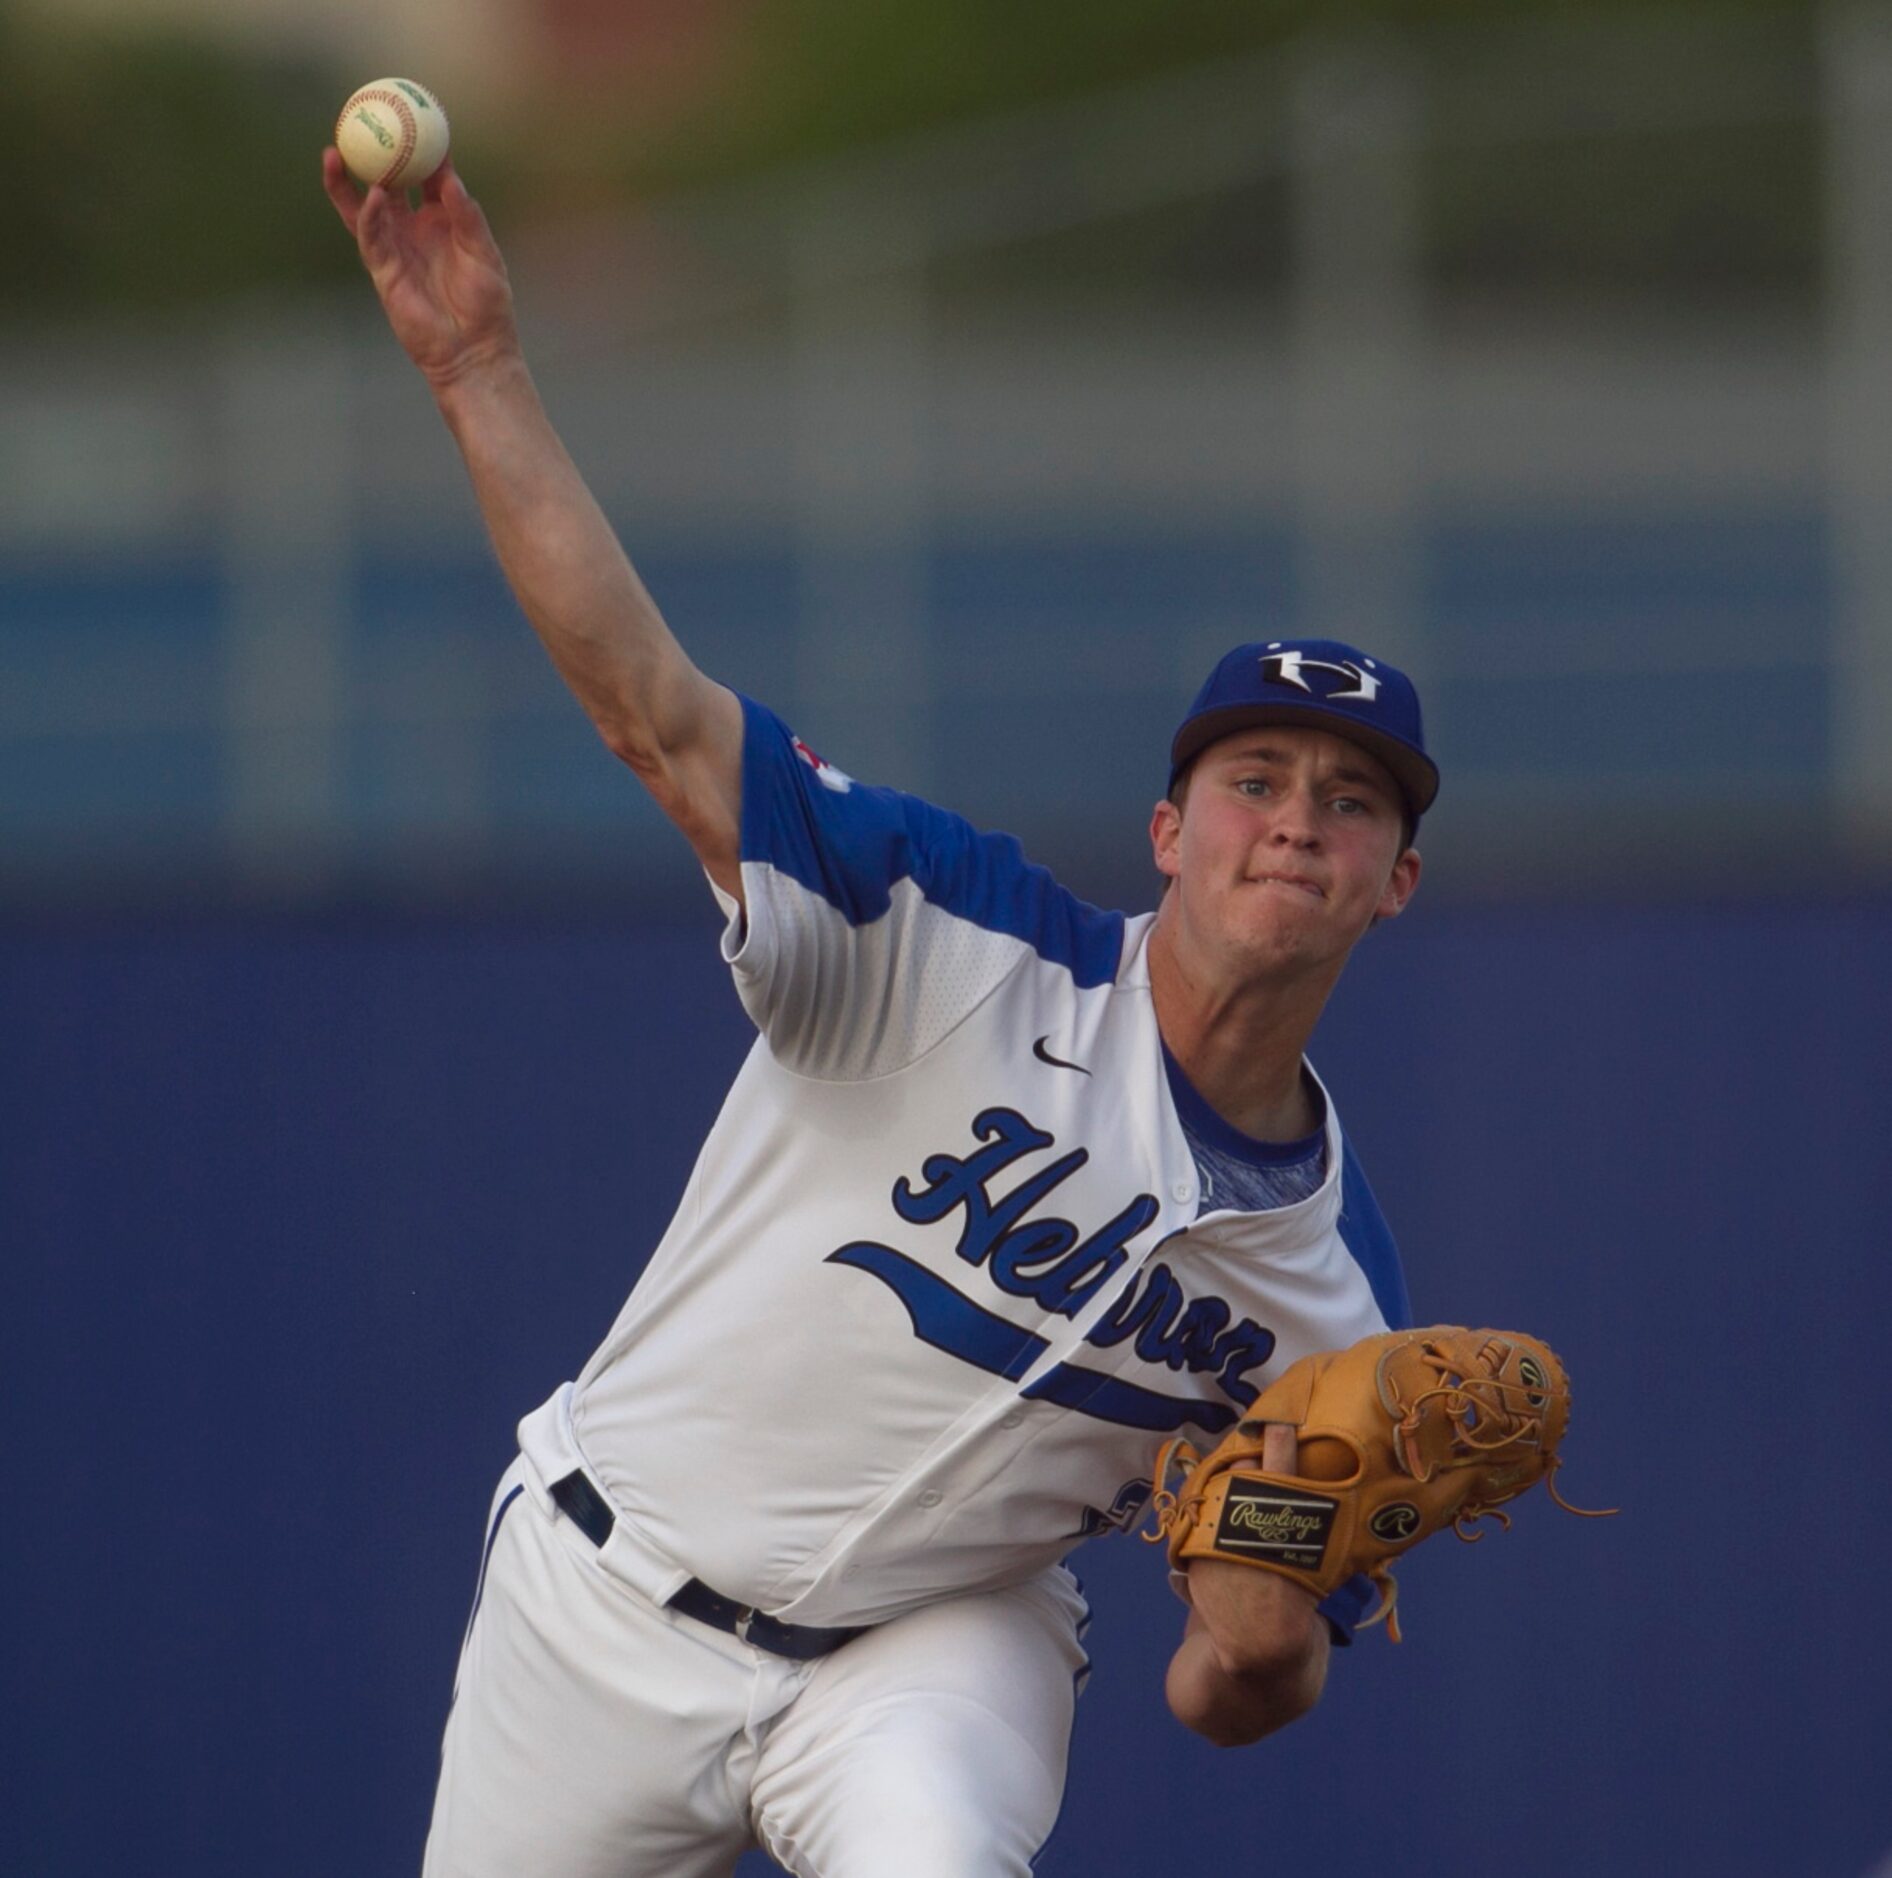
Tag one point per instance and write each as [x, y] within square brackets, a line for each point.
[1352, 805]
[1252, 785]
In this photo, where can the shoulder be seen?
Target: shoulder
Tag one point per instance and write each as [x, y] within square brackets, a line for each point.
[853, 845]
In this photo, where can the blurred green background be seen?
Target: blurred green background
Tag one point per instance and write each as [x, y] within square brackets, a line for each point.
[150, 144]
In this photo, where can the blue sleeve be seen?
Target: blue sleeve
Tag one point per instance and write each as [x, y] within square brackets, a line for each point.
[850, 844]
[1367, 1236]
[1345, 1605]
[1365, 1233]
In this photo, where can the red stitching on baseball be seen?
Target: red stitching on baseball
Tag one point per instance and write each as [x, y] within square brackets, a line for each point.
[410, 129]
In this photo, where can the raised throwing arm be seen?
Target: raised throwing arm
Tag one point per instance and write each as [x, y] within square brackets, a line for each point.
[443, 285]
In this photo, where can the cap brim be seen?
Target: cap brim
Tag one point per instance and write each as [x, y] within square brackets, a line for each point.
[1416, 775]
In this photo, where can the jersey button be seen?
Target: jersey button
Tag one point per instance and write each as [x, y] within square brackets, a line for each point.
[1182, 1191]
[931, 1497]
[1012, 1420]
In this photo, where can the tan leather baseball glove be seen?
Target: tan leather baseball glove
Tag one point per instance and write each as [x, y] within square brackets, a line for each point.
[1400, 1436]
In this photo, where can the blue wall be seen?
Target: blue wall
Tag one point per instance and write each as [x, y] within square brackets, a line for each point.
[298, 1216]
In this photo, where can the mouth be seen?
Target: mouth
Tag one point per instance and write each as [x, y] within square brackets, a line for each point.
[1299, 883]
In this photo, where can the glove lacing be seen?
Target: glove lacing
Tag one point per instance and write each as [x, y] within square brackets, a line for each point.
[1464, 1403]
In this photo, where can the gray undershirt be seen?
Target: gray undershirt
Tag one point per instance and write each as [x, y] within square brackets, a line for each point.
[1238, 1173]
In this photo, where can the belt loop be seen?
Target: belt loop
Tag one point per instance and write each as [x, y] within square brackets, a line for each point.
[584, 1506]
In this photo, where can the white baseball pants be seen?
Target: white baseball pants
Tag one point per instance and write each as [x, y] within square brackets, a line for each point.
[596, 1735]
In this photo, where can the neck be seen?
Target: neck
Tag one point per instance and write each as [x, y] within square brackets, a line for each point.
[1240, 1042]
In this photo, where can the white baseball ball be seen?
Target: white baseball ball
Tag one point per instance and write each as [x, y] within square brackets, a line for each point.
[392, 132]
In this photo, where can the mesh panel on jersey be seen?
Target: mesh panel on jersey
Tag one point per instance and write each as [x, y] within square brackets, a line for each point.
[849, 1002]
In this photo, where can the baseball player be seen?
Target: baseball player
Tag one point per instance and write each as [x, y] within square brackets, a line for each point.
[1008, 1191]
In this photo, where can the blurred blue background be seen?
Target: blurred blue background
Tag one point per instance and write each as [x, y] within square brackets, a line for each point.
[963, 387]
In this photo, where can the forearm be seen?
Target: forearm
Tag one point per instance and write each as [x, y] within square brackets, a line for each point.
[442, 282]
[1253, 1656]
[570, 573]
[1235, 1705]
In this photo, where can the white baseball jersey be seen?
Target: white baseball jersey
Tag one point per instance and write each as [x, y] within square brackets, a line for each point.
[939, 1284]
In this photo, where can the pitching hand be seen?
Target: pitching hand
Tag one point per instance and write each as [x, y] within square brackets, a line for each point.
[440, 275]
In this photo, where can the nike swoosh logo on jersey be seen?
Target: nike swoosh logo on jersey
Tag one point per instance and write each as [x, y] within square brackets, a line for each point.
[1057, 1062]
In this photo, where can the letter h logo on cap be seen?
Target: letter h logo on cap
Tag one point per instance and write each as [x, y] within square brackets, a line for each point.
[1285, 668]
[1323, 684]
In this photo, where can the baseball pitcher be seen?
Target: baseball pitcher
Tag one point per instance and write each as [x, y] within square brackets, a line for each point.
[1018, 1215]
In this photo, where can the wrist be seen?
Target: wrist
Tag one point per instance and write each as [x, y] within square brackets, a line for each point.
[484, 374]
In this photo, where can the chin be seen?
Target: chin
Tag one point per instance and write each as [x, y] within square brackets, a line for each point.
[1276, 948]
[1286, 943]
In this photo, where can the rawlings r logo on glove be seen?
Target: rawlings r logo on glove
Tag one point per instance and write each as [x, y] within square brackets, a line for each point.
[1400, 1435]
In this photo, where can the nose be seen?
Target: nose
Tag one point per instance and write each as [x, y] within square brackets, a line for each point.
[1296, 823]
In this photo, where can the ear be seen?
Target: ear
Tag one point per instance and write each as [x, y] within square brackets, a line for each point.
[1165, 836]
[1401, 884]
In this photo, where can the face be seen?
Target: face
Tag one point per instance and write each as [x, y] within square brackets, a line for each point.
[1288, 845]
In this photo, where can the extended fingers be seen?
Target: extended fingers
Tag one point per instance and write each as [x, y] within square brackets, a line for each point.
[367, 217]
[374, 228]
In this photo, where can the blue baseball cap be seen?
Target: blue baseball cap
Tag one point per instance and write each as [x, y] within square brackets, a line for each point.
[1323, 685]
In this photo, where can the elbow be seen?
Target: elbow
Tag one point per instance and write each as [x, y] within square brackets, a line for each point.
[1246, 1714]
[666, 732]
[629, 740]
[1240, 1731]
[654, 765]
[1283, 1658]
[1252, 1689]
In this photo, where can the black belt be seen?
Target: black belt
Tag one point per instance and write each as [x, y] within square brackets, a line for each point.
[585, 1507]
